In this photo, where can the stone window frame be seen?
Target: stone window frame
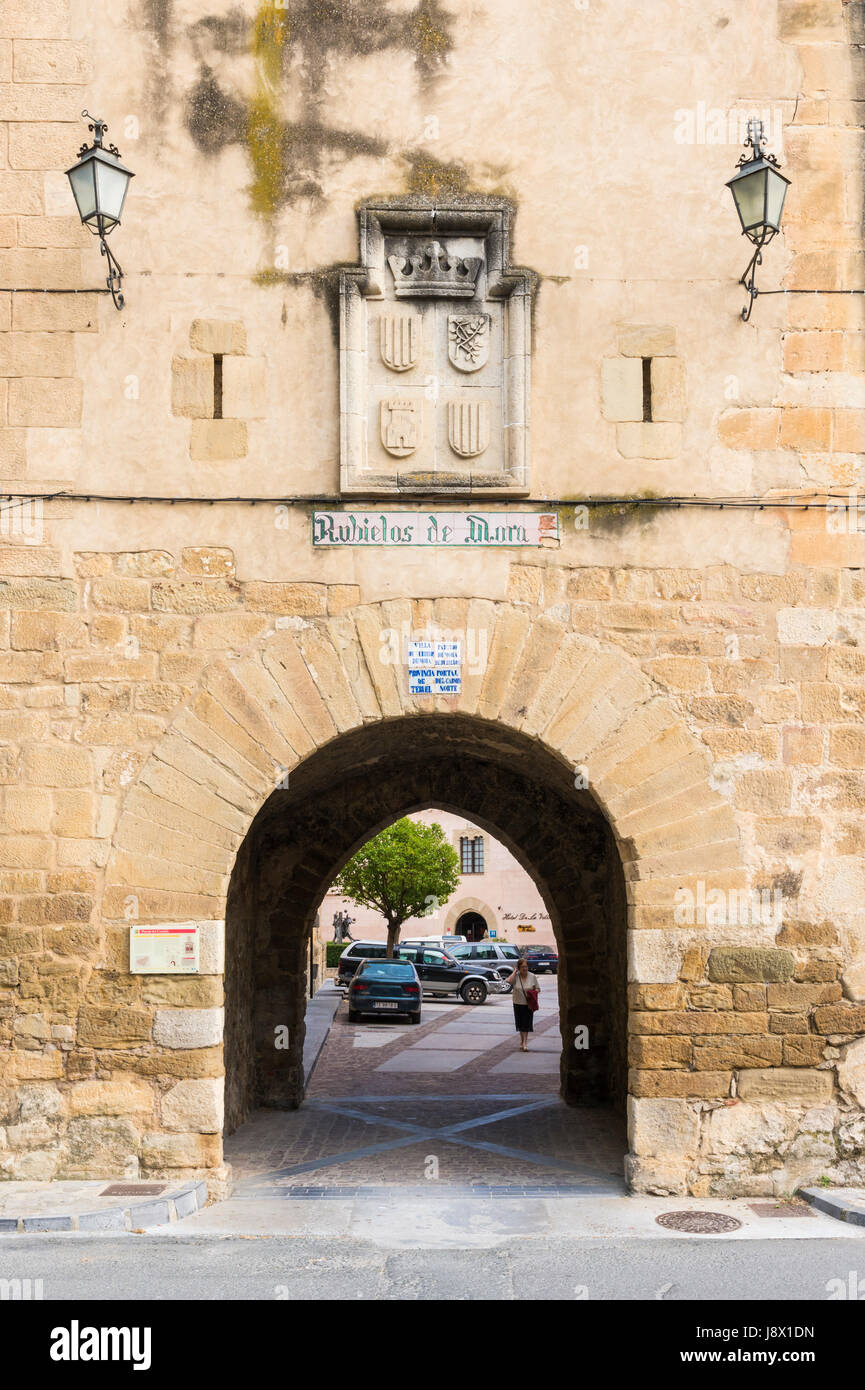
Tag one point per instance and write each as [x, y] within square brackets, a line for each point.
[490, 218]
[471, 837]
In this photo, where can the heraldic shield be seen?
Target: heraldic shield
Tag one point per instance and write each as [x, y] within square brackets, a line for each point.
[401, 426]
[468, 427]
[469, 341]
[399, 340]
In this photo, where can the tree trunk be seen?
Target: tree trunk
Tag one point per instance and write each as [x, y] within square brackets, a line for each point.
[392, 938]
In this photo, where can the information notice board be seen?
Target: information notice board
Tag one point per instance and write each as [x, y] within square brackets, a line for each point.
[168, 950]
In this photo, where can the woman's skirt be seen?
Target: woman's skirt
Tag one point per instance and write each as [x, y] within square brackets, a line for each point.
[523, 1018]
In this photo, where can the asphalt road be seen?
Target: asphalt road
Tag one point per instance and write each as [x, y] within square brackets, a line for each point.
[199, 1268]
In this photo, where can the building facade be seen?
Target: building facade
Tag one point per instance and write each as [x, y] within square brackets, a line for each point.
[429, 463]
[496, 896]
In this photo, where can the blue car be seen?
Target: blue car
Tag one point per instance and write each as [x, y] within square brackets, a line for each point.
[541, 959]
[382, 987]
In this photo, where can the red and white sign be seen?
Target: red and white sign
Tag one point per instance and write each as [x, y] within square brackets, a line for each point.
[164, 950]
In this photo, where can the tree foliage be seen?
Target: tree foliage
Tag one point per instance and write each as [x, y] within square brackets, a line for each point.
[408, 870]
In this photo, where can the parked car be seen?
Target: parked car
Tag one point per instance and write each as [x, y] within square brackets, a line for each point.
[440, 974]
[445, 942]
[354, 955]
[500, 955]
[541, 959]
[385, 986]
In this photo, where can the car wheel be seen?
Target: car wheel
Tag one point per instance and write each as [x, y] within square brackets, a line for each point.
[353, 1015]
[414, 1018]
[473, 992]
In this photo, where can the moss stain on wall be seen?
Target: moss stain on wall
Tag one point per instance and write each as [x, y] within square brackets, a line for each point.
[264, 126]
[286, 155]
[432, 178]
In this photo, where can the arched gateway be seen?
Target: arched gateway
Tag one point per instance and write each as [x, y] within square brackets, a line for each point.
[288, 757]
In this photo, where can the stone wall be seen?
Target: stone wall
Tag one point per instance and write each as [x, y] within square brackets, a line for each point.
[726, 1014]
[164, 663]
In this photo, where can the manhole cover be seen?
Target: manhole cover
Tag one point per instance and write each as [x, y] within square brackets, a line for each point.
[698, 1223]
[781, 1209]
[133, 1189]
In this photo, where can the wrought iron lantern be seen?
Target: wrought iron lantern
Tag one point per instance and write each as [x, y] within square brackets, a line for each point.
[759, 190]
[99, 186]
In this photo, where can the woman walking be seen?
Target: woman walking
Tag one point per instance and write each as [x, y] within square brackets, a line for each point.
[526, 991]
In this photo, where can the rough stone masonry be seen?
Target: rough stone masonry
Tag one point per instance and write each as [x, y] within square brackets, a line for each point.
[665, 719]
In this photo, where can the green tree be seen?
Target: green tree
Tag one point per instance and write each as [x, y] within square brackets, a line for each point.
[408, 870]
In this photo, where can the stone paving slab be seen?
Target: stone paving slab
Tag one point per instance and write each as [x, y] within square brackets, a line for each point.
[457, 1042]
[80, 1206]
[376, 1039]
[545, 1063]
[469, 1025]
[428, 1061]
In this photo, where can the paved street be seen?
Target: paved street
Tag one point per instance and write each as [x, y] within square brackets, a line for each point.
[452, 1101]
[278, 1267]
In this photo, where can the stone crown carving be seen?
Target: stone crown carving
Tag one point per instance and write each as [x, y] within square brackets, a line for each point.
[435, 352]
[434, 272]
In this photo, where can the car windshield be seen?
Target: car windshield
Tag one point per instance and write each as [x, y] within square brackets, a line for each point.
[388, 970]
[510, 953]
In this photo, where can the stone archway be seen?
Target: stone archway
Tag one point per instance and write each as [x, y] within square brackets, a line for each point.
[296, 705]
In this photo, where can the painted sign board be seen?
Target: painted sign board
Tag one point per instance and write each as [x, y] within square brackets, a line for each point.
[165, 950]
[458, 530]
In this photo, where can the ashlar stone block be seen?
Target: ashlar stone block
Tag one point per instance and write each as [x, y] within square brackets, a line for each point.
[187, 1028]
[622, 388]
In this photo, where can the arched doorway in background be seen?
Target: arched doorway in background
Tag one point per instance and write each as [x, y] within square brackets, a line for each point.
[472, 926]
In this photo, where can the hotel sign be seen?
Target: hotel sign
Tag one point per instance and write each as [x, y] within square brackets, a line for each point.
[457, 530]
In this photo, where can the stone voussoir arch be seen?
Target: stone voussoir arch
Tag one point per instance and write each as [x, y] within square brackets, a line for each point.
[254, 718]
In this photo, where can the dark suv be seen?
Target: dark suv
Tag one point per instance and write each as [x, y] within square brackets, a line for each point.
[502, 957]
[441, 974]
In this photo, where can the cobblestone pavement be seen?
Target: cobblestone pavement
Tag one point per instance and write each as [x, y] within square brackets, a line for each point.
[451, 1102]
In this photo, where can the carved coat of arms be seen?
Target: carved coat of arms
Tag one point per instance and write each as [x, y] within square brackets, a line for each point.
[468, 427]
[469, 341]
[399, 340]
[401, 425]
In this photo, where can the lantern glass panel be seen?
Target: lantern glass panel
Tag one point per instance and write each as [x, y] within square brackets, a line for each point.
[776, 192]
[750, 195]
[83, 184]
[111, 185]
